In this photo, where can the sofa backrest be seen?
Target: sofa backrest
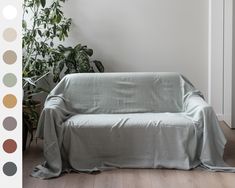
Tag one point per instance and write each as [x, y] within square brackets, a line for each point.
[124, 92]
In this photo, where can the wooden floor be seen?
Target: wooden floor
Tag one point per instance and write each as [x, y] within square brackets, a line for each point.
[135, 178]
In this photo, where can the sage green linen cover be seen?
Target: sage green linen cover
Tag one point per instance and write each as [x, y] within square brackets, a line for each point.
[98, 121]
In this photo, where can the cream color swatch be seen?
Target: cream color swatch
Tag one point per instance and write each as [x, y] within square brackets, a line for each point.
[9, 34]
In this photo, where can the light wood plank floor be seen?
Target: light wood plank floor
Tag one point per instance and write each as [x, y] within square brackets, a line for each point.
[134, 178]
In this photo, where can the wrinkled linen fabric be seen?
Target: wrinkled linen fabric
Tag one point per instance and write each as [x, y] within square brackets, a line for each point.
[98, 121]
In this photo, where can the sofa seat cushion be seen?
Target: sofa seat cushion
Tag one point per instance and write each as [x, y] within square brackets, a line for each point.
[147, 140]
[129, 120]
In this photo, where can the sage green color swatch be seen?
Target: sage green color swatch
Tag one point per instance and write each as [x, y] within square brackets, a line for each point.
[9, 80]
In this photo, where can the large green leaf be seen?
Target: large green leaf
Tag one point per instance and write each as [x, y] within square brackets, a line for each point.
[43, 3]
[89, 51]
[24, 24]
[99, 65]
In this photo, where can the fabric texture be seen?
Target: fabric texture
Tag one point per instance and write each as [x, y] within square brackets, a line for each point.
[98, 121]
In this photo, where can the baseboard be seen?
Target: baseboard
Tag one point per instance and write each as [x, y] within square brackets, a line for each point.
[220, 117]
[223, 118]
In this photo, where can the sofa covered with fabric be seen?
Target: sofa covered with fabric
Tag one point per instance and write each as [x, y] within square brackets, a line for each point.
[99, 121]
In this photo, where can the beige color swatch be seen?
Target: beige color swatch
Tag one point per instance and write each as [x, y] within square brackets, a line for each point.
[9, 57]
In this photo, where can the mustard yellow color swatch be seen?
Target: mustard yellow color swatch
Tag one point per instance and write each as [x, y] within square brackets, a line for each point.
[9, 101]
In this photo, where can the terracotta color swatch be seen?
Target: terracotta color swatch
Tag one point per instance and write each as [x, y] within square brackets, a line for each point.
[9, 146]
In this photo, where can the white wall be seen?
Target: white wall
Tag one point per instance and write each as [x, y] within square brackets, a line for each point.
[145, 35]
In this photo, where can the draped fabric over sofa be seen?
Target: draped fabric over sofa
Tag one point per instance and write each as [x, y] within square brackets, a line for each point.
[98, 121]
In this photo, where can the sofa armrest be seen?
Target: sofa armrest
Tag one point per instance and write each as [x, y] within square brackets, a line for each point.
[207, 125]
[195, 103]
[54, 113]
[54, 100]
[51, 129]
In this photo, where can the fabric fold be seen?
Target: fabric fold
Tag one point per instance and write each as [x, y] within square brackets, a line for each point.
[50, 129]
[213, 140]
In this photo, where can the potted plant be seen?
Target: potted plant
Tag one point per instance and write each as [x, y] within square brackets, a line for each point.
[44, 27]
[42, 24]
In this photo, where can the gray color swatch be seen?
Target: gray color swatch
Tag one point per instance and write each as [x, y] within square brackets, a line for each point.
[9, 123]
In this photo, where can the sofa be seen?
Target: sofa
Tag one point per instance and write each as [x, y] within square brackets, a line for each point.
[99, 121]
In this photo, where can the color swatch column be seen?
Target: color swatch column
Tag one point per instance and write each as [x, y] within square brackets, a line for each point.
[10, 94]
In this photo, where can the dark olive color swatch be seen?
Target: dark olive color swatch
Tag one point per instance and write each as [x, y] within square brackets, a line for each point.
[9, 169]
